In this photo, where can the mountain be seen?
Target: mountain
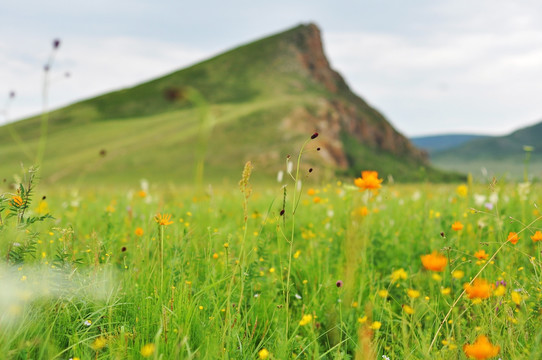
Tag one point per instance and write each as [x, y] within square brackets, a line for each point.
[496, 156]
[256, 102]
[435, 143]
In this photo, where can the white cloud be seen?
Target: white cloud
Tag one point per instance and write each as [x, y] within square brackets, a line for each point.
[96, 65]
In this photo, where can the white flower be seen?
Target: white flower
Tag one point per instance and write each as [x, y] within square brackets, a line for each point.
[479, 199]
[297, 296]
[280, 176]
[87, 323]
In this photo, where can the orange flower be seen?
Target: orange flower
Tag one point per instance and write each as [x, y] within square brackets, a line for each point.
[537, 236]
[368, 180]
[481, 349]
[163, 220]
[456, 226]
[434, 261]
[480, 289]
[481, 254]
[513, 237]
[139, 231]
[16, 201]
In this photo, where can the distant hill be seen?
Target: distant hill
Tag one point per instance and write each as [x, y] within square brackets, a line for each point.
[499, 155]
[435, 143]
[257, 102]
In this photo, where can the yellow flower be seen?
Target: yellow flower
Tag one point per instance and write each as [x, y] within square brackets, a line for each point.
[368, 180]
[139, 231]
[516, 297]
[297, 253]
[398, 275]
[148, 350]
[305, 320]
[376, 325]
[458, 274]
[446, 291]
[413, 293]
[537, 236]
[434, 261]
[383, 293]
[456, 226]
[408, 310]
[481, 349]
[362, 320]
[98, 343]
[163, 220]
[500, 291]
[462, 190]
[316, 199]
[141, 193]
[311, 192]
[263, 354]
[480, 289]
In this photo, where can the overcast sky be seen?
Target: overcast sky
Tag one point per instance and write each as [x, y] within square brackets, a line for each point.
[429, 66]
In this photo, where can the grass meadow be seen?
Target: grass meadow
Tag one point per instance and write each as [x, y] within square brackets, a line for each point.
[294, 270]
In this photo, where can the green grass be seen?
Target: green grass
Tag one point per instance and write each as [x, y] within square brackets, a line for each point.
[86, 275]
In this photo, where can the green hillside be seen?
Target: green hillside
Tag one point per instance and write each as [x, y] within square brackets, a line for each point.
[257, 102]
[496, 156]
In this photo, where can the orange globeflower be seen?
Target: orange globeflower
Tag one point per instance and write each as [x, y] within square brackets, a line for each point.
[434, 261]
[481, 349]
[368, 180]
[480, 289]
[513, 237]
[456, 226]
[17, 201]
[164, 220]
[481, 254]
[537, 236]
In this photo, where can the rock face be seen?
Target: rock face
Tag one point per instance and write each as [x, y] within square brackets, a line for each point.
[345, 113]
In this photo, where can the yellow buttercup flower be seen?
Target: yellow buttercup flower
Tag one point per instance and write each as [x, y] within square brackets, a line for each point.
[163, 220]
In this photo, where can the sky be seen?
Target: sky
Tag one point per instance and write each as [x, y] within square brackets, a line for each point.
[431, 67]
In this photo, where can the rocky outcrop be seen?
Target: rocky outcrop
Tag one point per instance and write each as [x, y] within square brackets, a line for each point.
[344, 111]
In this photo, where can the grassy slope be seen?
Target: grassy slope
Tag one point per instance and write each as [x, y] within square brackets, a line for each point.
[144, 134]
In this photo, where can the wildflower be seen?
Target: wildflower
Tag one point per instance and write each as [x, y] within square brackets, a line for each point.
[516, 297]
[148, 350]
[297, 253]
[87, 323]
[362, 320]
[139, 231]
[456, 226]
[363, 211]
[458, 274]
[434, 261]
[500, 291]
[376, 325]
[215, 256]
[339, 283]
[17, 201]
[263, 354]
[513, 237]
[446, 291]
[481, 349]
[298, 297]
[537, 236]
[480, 289]
[409, 310]
[305, 320]
[368, 180]
[99, 343]
[163, 220]
[142, 193]
[398, 275]
[316, 199]
[413, 293]
[481, 254]
[311, 192]
[383, 293]
[462, 190]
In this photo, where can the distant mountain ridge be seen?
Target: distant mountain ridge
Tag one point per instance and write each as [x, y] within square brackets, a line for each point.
[256, 102]
[436, 143]
[497, 155]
